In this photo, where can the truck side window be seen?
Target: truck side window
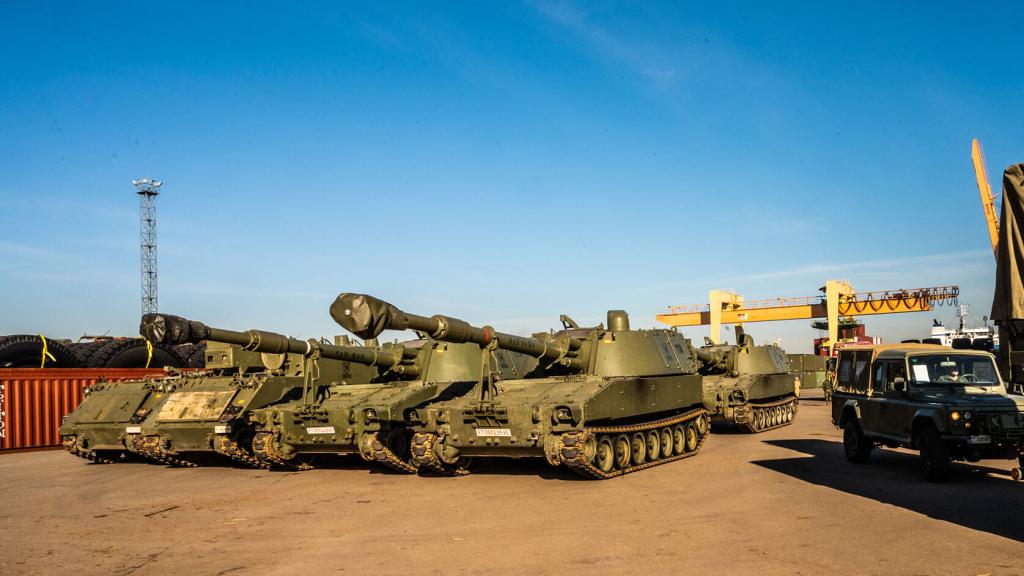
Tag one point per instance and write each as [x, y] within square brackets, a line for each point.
[845, 376]
[878, 386]
[895, 370]
[861, 372]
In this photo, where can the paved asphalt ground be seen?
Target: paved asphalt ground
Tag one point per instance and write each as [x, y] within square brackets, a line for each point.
[782, 502]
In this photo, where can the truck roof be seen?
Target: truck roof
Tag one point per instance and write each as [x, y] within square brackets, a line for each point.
[904, 349]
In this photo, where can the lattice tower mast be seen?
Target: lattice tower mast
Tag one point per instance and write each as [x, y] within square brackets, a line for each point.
[148, 190]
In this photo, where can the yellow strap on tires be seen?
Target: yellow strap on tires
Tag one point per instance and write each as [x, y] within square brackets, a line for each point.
[149, 353]
[46, 353]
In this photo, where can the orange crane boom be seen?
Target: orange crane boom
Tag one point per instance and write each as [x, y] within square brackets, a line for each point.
[988, 201]
[838, 301]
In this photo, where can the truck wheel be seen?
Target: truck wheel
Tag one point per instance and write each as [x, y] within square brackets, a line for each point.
[856, 444]
[934, 456]
[26, 351]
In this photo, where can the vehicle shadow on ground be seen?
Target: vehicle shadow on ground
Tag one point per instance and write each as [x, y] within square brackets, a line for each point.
[521, 467]
[972, 497]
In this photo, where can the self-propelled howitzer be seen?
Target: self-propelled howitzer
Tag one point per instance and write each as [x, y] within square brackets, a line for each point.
[207, 411]
[602, 401]
[749, 386]
[369, 418]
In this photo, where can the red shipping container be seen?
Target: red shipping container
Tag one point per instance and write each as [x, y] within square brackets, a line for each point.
[33, 400]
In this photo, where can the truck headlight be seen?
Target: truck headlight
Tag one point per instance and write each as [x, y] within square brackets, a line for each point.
[954, 415]
[968, 415]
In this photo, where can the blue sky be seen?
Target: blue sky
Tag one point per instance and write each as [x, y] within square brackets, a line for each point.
[503, 162]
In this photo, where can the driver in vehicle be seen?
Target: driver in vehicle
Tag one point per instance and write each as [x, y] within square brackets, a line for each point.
[950, 373]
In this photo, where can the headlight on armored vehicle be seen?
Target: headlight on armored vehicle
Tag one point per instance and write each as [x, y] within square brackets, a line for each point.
[954, 415]
[968, 415]
[370, 414]
[563, 414]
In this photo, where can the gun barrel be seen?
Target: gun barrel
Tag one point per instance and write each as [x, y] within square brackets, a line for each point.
[366, 317]
[174, 330]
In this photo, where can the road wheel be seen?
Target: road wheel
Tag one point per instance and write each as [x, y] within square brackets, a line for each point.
[679, 439]
[856, 445]
[639, 448]
[703, 424]
[653, 445]
[622, 452]
[934, 455]
[605, 458]
[666, 442]
[691, 438]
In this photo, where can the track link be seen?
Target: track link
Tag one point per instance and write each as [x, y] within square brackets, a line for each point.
[425, 457]
[373, 450]
[572, 450]
[755, 418]
[149, 448]
[71, 445]
[230, 448]
[265, 449]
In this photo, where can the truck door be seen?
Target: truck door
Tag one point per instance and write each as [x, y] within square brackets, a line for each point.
[899, 411]
[876, 411]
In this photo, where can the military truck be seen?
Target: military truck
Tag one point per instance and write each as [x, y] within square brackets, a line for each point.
[748, 385]
[602, 401]
[948, 404]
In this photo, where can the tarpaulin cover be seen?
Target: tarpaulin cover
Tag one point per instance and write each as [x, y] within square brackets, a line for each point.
[364, 316]
[172, 330]
[1008, 302]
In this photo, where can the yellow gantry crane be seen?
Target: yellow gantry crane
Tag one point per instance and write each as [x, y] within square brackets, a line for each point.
[988, 201]
[839, 301]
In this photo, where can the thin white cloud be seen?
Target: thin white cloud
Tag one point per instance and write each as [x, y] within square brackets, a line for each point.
[17, 249]
[578, 23]
[818, 269]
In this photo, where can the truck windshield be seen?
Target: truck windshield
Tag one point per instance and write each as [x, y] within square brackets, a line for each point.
[955, 369]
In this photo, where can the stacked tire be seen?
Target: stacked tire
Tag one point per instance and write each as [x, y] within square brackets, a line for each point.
[193, 355]
[125, 353]
[26, 351]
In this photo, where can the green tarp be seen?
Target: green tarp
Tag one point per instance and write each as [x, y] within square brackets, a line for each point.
[1008, 302]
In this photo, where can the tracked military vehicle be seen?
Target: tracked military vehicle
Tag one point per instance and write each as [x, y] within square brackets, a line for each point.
[601, 401]
[95, 430]
[205, 412]
[368, 418]
[749, 386]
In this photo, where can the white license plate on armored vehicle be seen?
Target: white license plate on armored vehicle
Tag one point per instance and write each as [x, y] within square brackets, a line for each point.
[491, 432]
[133, 430]
[320, 430]
[983, 439]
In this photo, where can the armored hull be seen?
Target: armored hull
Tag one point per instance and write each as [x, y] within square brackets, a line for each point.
[180, 418]
[370, 418]
[599, 427]
[208, 412]
[96, 429]
[602, 402]
[749, 386]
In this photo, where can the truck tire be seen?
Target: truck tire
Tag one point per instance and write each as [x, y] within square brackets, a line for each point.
[934, 455]
[132, 353]
[84, 350]
[855, 443]
[26, 351]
